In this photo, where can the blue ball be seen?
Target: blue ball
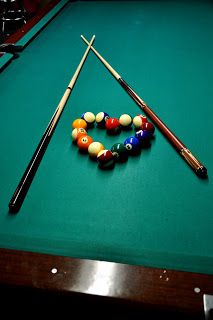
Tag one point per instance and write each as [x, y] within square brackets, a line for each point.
[132, 144]
[144, 137]
[101, 118]
[89, 117]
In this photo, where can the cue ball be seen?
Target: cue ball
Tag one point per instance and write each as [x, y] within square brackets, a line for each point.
[84, 142]
[89, 117]
[77, 133]
[101, 118]
[95, 148]
[125, 121]
[79, 123]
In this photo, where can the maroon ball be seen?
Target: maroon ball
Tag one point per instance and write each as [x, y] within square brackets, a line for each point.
[148, 126]
[105, 159]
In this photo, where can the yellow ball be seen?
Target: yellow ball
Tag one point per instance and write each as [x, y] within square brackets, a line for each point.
[77, 133]
[95, 148]
[79, 123]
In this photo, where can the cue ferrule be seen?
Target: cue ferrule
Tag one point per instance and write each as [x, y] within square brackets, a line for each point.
[194, 163]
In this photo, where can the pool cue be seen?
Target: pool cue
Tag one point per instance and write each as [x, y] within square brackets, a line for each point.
[25, 182]
[193, 162]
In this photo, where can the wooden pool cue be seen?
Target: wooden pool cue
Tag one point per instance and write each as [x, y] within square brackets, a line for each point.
[25, 182]
[194, 163]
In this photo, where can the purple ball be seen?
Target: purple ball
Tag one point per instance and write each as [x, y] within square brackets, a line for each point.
[143, 136]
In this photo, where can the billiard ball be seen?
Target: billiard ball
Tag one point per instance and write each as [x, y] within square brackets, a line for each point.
[148, 126]
[84, 142]
[119, 152]
[144, 137]
[79, 123]
[132, 145]
[77, 133]
[125, 121]
[95, 148]
[105, 159]
[89, 117]
[101, 119]
[139, 120]
[112, 125]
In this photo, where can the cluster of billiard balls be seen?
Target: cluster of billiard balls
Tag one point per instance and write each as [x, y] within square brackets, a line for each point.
[119, 152]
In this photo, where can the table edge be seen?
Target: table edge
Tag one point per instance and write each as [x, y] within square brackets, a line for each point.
[162, 289]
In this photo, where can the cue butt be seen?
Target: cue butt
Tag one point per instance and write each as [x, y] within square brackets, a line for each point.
[194, 163]
[27, 178]
[199, 169]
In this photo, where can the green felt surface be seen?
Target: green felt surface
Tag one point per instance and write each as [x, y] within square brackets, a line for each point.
[152, 210]
[4, 59]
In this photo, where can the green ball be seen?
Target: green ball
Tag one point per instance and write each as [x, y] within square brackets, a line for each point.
[119, 152]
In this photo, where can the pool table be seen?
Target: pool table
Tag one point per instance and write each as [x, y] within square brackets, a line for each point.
[137, 239]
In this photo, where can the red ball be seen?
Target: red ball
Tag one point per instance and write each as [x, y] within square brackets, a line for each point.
[112, 125]
[148, 126]
[139, 120]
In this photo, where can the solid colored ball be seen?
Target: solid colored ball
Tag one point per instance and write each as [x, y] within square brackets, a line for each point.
[144, 137]
[84, 142]
[79, 123]
[95, 148]
[125, 121]
[148, 126]
[132, 144]
[89, 117]
[105, 159]
[119, 152]
[139, 120]
[77, 133]
[101, 119]
[112, 125]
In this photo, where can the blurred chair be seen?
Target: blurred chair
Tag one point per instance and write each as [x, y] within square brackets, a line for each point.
[13, 16]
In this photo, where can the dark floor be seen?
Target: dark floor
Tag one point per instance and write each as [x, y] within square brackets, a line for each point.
[25, 303]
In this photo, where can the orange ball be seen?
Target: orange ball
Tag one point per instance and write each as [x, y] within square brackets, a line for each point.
[79, 123]
[84, 142]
